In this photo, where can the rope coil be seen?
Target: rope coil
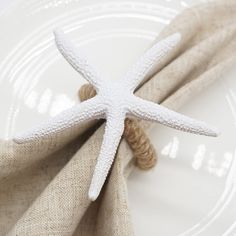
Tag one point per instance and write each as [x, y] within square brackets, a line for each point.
[143, 151]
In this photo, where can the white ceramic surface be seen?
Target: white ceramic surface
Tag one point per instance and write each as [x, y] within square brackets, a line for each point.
[192, 189]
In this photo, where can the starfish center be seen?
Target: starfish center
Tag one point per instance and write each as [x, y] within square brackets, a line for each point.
[115, 94]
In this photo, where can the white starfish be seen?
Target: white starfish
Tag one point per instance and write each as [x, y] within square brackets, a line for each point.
[114, 101]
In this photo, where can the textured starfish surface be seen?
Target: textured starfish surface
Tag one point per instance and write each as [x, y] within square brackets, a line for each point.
[115, 100]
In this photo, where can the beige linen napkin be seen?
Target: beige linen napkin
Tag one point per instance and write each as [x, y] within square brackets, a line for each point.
[44, 184]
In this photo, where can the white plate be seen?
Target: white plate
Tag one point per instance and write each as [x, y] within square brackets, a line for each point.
[192, 190]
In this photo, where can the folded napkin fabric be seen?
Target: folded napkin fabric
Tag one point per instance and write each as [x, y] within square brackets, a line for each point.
[44, 183]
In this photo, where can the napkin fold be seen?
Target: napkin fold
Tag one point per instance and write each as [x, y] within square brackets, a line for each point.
[44, 184]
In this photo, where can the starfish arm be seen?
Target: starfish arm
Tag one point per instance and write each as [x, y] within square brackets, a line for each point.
[154, 112]
[65, 121]
[149, 60]
[76, 58]
[113, 132]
